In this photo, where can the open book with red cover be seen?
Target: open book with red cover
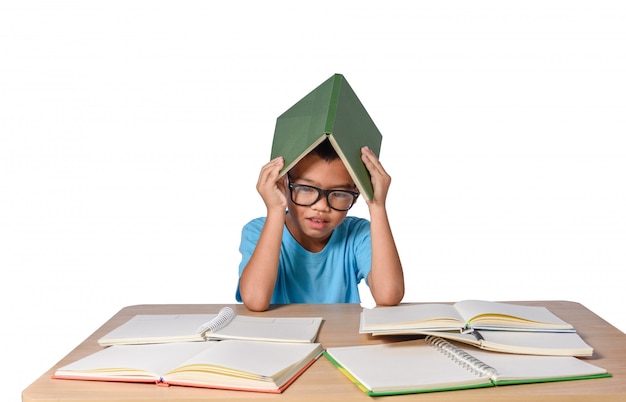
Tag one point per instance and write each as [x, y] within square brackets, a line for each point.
[229, 364]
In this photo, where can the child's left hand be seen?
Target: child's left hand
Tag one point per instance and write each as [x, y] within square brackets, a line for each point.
[380, 179]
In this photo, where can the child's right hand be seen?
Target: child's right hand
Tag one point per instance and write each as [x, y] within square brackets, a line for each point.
[271, 187]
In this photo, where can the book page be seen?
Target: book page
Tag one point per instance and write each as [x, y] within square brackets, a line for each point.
[280, 329]
[411, 316]
[527, 368]
[409, 366]
[255, 359]
[158, 328]
[525, 342]
[134, 361]
[482, 313]
[521, 342]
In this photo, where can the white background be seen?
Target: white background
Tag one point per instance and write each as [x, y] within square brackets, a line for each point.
[132, 134]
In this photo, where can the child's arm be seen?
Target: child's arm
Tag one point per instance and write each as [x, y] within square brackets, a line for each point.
[386, 278]
[256, 284]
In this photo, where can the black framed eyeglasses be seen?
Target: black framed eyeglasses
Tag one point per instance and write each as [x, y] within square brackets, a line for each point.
[339, 200]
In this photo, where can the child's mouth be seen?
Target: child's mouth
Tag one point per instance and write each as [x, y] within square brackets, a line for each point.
[317, 223]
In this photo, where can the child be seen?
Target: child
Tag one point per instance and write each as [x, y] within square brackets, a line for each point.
[314, 252]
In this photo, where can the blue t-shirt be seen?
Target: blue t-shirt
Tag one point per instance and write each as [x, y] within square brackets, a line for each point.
[330, 276]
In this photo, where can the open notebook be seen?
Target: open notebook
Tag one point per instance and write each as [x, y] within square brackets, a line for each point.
[434, 364]
[226, 324]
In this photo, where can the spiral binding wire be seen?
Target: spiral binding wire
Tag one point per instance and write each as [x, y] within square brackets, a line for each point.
[222, 319]
[461, 357]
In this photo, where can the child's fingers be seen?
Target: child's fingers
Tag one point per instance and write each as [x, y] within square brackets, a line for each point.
[371, 162]
[271, 169]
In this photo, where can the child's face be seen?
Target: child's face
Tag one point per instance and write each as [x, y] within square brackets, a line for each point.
[312, 225]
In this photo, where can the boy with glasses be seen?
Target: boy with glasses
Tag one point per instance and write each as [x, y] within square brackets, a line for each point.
[314, 252]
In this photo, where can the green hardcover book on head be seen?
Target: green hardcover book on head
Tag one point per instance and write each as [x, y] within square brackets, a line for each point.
[333, 111]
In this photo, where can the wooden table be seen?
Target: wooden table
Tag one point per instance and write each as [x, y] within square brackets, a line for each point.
[324, 382]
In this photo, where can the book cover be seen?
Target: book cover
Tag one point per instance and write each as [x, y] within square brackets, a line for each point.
[333, 111]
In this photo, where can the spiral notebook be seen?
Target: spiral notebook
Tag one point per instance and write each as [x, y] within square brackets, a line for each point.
[438, 365]
[226, 324]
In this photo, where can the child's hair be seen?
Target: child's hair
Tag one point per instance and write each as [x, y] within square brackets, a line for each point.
[325, 151]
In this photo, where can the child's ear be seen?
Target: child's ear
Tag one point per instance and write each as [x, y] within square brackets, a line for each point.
[282, 184]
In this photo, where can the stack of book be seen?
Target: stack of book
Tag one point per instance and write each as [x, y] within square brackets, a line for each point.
[509, 344]
[223, 350]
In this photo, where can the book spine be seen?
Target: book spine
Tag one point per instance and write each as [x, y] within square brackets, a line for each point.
[461, 357]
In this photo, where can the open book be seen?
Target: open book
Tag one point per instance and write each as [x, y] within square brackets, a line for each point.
[521, 342]
[434, 364]
[226, 324]
[229, 364]
[462, 316]
[331, 111]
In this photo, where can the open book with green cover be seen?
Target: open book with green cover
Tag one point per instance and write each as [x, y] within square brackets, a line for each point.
[333, 111]
[226, 324]
[434, 364]
[228, 364]
[465, 315]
